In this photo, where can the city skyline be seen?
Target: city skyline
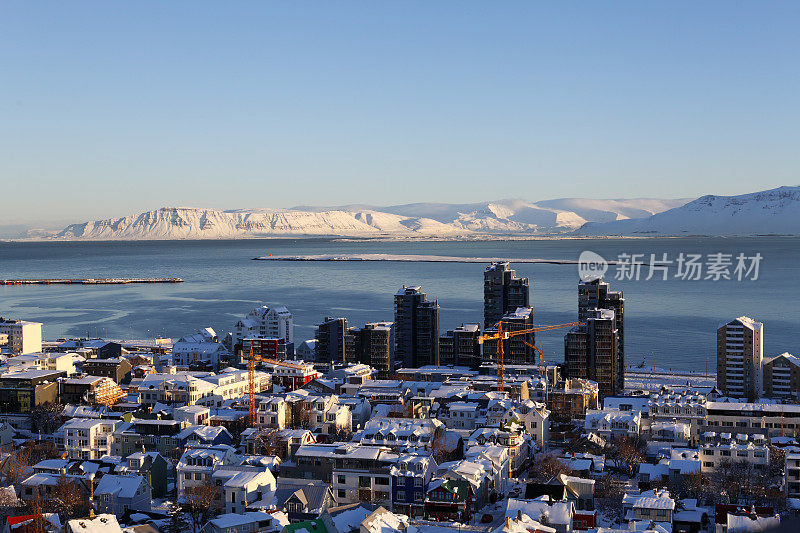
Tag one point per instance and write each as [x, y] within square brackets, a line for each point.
[115, 110]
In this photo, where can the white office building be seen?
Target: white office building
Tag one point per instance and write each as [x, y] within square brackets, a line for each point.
[264, 322]
[23, 337]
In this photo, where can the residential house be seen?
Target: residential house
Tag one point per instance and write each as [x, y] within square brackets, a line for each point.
[448, 500]
[249, 522]
[410, 476]
[198, 464]
[302, 499]
[118, 494]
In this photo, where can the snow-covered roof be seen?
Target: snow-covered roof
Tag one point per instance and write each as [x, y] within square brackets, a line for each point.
[555, 512]
[229, 520]
[103, 523]
[120, 486]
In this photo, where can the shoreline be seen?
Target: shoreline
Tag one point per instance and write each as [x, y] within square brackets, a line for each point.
[404, 238]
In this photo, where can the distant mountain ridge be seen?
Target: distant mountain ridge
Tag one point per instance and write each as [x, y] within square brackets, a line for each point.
[503, 217]
[775, 211]
[771, 212]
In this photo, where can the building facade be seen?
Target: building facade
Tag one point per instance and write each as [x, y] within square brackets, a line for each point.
[460, 347]
[374, 346]
[23, 337]
[782, 376]
[597, 294]
[740, 355]
[503, 292]
[591, 351]
[416, 322]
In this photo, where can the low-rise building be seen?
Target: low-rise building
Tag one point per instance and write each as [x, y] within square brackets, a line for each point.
[765, 418]
[613, 424]
[198, 463]
[649, 506]
[117, 494]
[570, 399]
[291, 375]
[719, 449]
[249, 522]
[410, 477]
[88, 438]
[243, 487]
[22, 391]
[361, 474]
[116, 368]
[199, 351]
[448, 500]
[90, 389]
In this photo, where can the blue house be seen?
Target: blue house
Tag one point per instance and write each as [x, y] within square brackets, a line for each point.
[410, 477]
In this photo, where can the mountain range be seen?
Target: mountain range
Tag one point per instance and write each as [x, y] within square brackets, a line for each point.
[775, 211]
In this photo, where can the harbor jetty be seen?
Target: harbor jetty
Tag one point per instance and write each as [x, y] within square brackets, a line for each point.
[87, 281]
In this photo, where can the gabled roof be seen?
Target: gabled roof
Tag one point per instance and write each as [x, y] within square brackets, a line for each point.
[120, 486]
[457, 487]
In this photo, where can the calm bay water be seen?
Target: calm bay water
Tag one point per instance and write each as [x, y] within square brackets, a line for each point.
[670, 323]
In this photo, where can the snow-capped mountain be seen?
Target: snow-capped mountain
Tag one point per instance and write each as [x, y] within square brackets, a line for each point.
[776, 211]
[425, 219]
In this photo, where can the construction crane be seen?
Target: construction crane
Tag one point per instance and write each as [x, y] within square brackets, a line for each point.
[251, 379]
[502, 335]
[251, 386]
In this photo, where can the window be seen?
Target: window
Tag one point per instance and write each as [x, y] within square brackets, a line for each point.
[341, 494]
[417, 481]
[340, 480]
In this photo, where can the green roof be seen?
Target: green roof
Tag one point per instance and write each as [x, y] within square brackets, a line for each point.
[318, 525]
[459, 487]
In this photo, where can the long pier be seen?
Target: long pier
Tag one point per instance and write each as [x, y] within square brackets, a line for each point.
[87, 281]
[414, 259]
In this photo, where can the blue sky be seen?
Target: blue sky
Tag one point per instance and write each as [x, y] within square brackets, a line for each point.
[113, 108]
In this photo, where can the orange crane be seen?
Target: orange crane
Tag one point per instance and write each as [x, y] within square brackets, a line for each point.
[502, 335]
[251, 386]
[251, 379]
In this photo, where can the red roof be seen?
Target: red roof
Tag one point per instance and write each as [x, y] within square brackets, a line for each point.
[14, 520]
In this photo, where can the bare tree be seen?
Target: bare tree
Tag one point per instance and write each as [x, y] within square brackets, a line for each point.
[46, 417]
[777, 461]
[696, 485]
[201, 503]
[627, 453]
[268, 442]
[16, 466]
[546, 467]
[609, 494]
[68, 499]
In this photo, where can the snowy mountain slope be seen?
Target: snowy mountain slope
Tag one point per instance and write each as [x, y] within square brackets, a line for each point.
[422, 219]
[607, 210]
[191, 223]
[515, 215]
[776, 211]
